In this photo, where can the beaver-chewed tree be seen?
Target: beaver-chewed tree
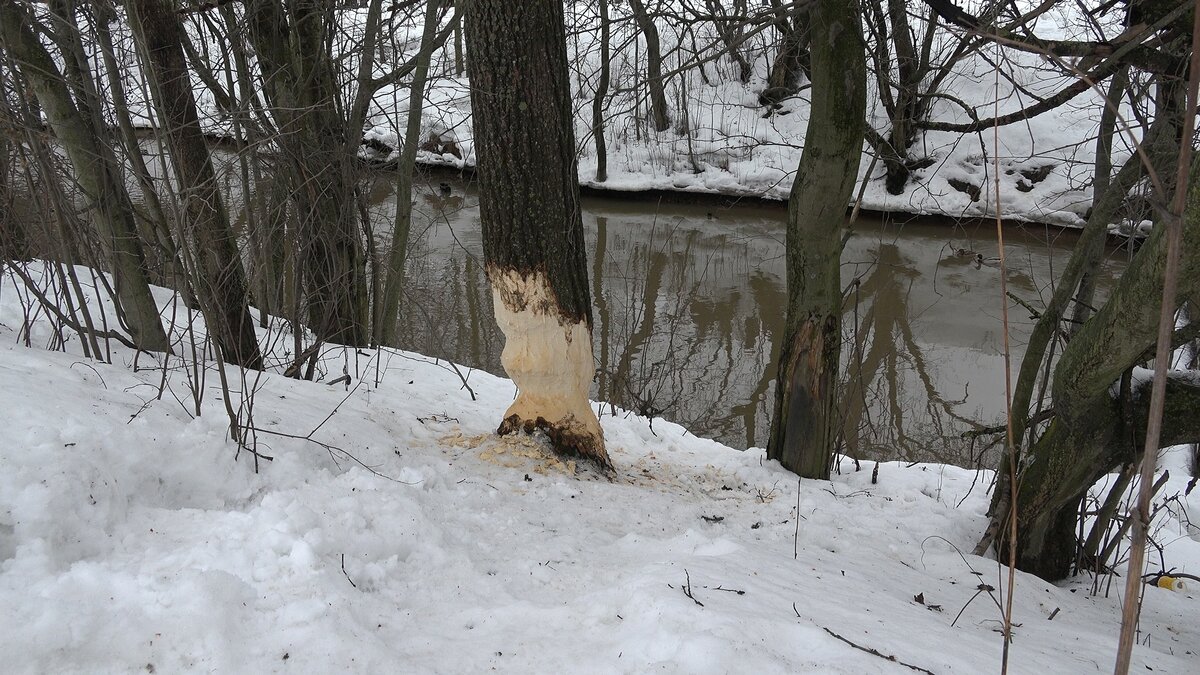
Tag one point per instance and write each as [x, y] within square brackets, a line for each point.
[804, 426]
[533, 240]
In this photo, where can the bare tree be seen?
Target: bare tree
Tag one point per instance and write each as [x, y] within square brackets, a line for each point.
[532, 226]
[804, 427]
[75, 123]
[218, 276]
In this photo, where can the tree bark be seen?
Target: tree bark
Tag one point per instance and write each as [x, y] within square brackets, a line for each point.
[793, 60]
[96, 172]
[290, 41]
[804, 426]
[155, 228]
[601, 92]
[532, 225]
[1088, 437]
[654, 78]
[218, 276]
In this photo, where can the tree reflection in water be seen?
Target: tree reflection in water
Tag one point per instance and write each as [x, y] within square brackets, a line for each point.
[689, 304]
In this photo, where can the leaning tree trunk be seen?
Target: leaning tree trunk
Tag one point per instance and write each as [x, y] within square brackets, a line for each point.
[96, 172]
[218, 277]
[532, 226]
[804, 427]
[654, 79]
[1088, 436]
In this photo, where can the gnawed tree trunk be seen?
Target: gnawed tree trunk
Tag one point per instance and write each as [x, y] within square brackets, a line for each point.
[96, 172]
[804, 427]
[654, 79]
[532, 226]
[217, 275]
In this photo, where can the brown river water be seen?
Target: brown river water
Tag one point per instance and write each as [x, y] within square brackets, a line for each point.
[689, 307]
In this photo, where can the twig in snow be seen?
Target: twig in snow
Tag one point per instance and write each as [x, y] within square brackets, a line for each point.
[346, 573]
[796, 541]
[687, 588]
[875, 652]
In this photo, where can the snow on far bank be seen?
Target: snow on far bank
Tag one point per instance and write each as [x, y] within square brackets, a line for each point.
[719, 140]
[134, 537]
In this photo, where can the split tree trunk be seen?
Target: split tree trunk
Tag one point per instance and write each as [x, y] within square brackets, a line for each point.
[218, 277]
[96, 172]
[804, 427]
[1089, 435]
[532, 227]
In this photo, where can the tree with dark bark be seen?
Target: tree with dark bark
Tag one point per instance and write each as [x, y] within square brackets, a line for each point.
[654, 74]
[1097, 415]
[388, 307]
[792, 60]
[804, 427]
[291, 39]
[217, 274]
[601, 93]
[532, 225]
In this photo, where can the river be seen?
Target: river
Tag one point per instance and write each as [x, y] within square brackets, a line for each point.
[689, 307]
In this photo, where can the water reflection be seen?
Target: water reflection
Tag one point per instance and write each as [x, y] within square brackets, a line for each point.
[689, 306]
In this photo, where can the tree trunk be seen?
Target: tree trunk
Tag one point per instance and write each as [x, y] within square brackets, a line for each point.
[730, 26]
[793, 60]
[532, 226]
[601, 92]
[155, 228]
[13, 238]
[388, 312]
[1087, 438]
[96, 172]
[804, 427]
[654, 80]
[218, 276]
[291, 42]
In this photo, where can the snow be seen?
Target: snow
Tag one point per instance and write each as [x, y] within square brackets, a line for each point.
[392, 530]
[720, 142]
[135, 537]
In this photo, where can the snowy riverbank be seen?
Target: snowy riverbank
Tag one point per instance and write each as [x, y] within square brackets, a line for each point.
[133, 537]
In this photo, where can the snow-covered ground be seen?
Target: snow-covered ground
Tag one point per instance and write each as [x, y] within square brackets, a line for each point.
[403, 536]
